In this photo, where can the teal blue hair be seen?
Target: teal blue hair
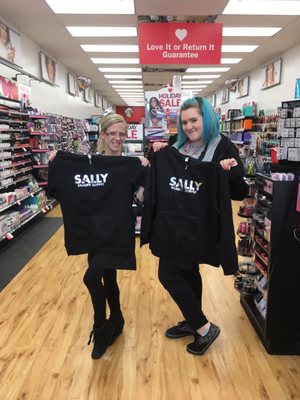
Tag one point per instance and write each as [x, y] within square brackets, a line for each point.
[211, 126]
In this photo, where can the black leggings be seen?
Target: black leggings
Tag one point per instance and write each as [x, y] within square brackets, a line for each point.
[184, 284]
[103, 286]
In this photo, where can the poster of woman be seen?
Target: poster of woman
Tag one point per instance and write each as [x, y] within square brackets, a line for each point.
[243, 87]
[72, 85]
[10, 45]
[271, 74]
[48, 67]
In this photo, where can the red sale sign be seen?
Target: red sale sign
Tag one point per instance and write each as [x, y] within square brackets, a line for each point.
[135, 132]
[180, 43]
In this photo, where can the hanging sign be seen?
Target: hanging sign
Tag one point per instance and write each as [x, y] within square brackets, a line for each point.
[161, 111]
[180, 43]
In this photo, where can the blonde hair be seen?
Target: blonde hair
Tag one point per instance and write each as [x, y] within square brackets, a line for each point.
[105, 123]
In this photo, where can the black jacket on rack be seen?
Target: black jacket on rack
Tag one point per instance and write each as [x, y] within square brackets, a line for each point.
[96, 194]
[187, 212]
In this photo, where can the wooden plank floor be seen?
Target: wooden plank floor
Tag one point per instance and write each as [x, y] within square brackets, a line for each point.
[46, 317]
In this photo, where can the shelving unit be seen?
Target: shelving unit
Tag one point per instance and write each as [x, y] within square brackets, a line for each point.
[274, 310]
[21, 199]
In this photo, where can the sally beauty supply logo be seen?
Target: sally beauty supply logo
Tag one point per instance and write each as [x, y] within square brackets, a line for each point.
[184, 185]
[92, 180]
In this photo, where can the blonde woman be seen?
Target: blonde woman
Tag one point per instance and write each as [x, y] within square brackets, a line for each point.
[116, 236]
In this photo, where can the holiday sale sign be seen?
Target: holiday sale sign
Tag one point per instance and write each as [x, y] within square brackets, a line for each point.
[180, 43]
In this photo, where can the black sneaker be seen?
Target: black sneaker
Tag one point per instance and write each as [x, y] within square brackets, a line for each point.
[202, 343]
[180, 330]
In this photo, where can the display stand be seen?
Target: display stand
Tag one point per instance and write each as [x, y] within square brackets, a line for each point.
[274, 308]
[21, 198]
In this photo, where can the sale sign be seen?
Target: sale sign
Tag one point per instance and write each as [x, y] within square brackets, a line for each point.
[180, 43]
[135, 132]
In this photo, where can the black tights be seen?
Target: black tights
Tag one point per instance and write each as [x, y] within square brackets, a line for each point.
[185, 288]
[103, 286]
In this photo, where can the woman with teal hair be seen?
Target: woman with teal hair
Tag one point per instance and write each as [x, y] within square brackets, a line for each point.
[198, 137]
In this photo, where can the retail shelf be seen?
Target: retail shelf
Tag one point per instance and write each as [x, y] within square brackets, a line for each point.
[19, 201]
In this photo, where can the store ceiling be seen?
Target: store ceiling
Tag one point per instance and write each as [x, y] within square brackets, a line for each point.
[36, 20]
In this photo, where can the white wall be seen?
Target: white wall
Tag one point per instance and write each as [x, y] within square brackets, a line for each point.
[57, 100]
[43, 96]
[270, 99]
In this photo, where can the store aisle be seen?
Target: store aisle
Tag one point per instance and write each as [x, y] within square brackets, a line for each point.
[46, 318]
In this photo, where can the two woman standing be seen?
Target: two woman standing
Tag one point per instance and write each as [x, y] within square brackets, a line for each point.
[198, 138]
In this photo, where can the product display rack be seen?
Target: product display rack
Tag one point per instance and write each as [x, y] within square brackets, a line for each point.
[273, 308]
[21, 199]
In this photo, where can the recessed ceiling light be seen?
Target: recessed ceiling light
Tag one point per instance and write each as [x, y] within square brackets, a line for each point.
[200, 76]
[114, 7]
[119, 69]
[127, 81]
[193, 86]
[230, 60]
[237, 48]
[131, 90]
[102, 31]
[126, 86]
[247, 31]
[262, 7]
[123, 76]
[115, 61]
[110, 48]
[208, 69]
[131, 96]
[197, 82]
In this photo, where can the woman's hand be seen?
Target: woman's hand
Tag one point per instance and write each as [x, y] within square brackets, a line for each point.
[144, 161]
[159, 145]
[52, 154]
[228, 163]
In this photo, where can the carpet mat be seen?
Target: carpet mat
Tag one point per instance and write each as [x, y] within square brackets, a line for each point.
[16, 254]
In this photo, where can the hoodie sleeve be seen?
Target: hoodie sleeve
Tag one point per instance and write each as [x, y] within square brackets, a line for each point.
[227, 248]
[52, 179]
[238, 186]
[149, 203]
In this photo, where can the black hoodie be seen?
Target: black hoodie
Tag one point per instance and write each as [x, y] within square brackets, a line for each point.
[95, 194]
[187, 212]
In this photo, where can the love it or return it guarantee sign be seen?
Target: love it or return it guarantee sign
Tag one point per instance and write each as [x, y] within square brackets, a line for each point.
[180, 43]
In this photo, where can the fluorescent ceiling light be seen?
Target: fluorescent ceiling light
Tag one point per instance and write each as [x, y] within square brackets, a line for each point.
[126, 86]
[129, 96]
[200, 76]
[127, 81]
[196, 82]
[230, 60]
[111, 48]
[123, 76]
[114, 7]
[122, 69]
[193, 86]
[237, 48]
[115, 60]
[262, 7]
[102, 31]
[129, 91]
[209, 69]
[247, 31]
